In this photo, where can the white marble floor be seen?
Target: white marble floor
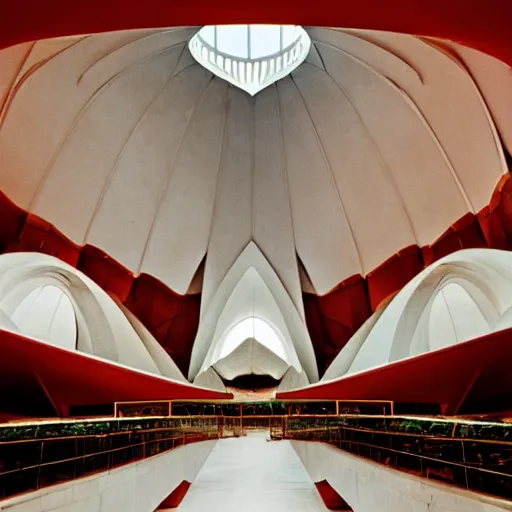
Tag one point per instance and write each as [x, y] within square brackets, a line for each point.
[252, 474]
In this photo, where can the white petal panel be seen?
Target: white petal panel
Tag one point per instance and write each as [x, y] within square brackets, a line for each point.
[415, 162]
[11, 62]
[494, 79]
[175, 249]
[139, 178]
[314, 197]
[272, 209]
[361, 174]
[452, 105]
[232, 220]
[90, 156]
[252, 299]
[48, 98]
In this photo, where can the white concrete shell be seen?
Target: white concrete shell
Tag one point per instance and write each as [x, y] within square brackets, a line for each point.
[133, 136]
[376, 142]
[250, 289]
[460, 297]
[368, 486]
[251, 357]
[43, 298]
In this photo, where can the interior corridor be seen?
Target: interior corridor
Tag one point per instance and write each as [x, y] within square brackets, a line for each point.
[252, 474]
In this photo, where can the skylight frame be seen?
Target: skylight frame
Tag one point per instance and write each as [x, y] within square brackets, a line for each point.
[251, 74]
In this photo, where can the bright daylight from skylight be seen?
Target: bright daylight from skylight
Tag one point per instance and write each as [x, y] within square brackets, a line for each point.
[251, 57]
[257, 329]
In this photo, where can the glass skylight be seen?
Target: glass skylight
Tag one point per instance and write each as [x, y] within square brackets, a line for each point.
[257, 329]
[251, 57]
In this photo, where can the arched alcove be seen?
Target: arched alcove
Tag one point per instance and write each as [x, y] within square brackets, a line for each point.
[253, 328]
[455, 316]
[44, 298]
[462, 296]
[47, 314]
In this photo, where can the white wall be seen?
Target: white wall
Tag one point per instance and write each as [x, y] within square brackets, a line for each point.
[137, 487]
[370, 487]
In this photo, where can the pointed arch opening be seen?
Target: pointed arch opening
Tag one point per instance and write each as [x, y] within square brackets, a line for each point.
[47, 314]
[253, 328]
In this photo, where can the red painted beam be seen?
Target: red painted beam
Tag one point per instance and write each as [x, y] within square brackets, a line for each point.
[482, 24]
[176, 497]
[474, 374]
[72, 378]
[331, 498]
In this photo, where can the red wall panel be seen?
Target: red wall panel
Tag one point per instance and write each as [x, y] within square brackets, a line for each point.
[393, 274]
[176, 497]
[330, 497]
[40, 236]
[106, 272]
[334, 317]
[12, 219]
[482, 24]
[172, 319]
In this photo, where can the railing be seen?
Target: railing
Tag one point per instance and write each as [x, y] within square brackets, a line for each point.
[268, 408]
[57, 452]
[481, 465]
[474, 455]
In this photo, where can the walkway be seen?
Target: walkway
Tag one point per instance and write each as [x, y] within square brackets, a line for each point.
[251, 474]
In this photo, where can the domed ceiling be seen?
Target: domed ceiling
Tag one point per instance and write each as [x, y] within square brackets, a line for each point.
[376, 143]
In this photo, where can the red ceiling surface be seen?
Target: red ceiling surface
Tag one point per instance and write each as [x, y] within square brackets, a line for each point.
[483, 24]
[69, 378]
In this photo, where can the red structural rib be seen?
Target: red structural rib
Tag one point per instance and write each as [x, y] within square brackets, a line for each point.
[70, 378]
[461, 378]
[331, 498]
[176, 497]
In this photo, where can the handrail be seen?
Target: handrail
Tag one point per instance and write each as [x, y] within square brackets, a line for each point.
[32, 476]
[423, 457]
[408, 434]
[447, 449]
[327, 429]
[81, 457]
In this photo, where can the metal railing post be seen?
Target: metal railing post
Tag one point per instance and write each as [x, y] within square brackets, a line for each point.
[464, 462]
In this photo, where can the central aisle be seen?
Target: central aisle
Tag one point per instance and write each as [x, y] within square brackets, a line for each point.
[252, 474]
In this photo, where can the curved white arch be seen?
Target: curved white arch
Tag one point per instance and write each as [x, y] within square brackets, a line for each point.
[455, 316]
[462, 296]
[32, 287]
[252, 288]
[47, 314]
[255, 328]
[252, 298]
[251, 357]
